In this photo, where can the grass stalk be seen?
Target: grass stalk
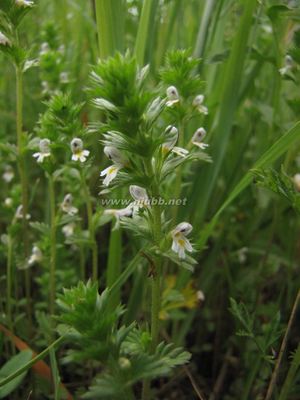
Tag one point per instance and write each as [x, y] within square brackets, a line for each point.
[24, 183]
[53, 245]
[288, 383]
[37, 358]
[232, 81]
[146, 21]
[273, 380]
[9, 282]
[110, 26]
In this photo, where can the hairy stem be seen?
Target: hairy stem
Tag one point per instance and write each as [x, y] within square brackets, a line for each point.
[89, 210]
[155, 284]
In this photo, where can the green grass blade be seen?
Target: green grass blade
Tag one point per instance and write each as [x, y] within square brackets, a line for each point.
[291, 375]
[114, 262]
[110, 26]
[146, 22]
[203, 29]
[228, 105]
[125, 274]
[282, 145]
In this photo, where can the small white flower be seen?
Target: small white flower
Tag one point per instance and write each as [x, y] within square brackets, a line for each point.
[242, 255]
[180, 151]
[64, 77]
[8, 202]
[4, 40]
[114, 155]
[140, 195]
[78, 152]
[67, 205]
[119, 213]
[36, 256]
[197, 138]
[45, 48]
[61, 49]
[44, 152]
[8, 174]
[172, 136]
[200, 296]
[198, 103]
[180, 242]
[68, 229]
[172, 95]
[296, 180]
[289, 62]
[24, 3]
[110, 173]
[19, 213]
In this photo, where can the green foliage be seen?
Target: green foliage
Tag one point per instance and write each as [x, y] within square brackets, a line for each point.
[180, 70]
[14, 363]
[93, 327]
[279, 183]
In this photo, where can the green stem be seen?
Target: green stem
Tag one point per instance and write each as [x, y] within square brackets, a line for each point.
[251, 378]
[37, 358]
[53, 246]
[155, 284]
[23, 181]
[9, 282]
[91, 229]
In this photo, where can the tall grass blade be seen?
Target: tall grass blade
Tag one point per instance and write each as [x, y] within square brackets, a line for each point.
[147, 21]
[228, 101]
[110, 26]
[282, 145]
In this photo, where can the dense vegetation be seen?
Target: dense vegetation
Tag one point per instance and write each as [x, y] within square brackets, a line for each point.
[149, 209]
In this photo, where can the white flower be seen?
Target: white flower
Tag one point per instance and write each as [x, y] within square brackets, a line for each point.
[110, 173]
[140, 195]
[114, 155]
[172, 136]
[36, 256]
[45, 48]
[197, 138]
[78, 152]
[24, 3]
[4, 40]
[119, 213]
[8, 174]
[64, 77]
[8, 202]
[242, 255]
[296, 180]
[200, 296]
[19, 213]
[180, 242]
[289, 62]
[68, 229]
[198, 103]
[180, 151]
[44, 152]
[172, 95]
[67, 206]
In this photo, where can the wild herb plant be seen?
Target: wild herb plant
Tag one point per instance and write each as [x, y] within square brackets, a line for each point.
[148, 199]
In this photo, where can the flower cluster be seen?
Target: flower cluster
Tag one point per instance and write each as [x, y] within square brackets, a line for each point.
[146, 158]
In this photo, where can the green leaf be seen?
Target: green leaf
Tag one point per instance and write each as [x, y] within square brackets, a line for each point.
[11, 366]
